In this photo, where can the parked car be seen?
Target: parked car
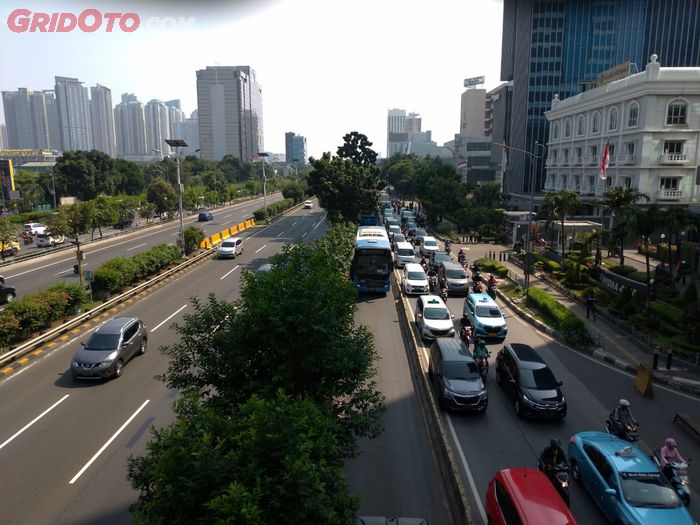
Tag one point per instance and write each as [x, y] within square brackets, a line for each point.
[34, 228]
[414, 279]
[111, 346]
[428, 244]
[433, 318]
[525, 496]
[230, 248]
[624, 482]
[485, 317]
[44, 240]
[529, 382]
[10, 249]
[454, 276]
[308, 204]
[205, 216]
[7, 293]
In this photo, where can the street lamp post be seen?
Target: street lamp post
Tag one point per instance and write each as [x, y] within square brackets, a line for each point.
[53, 187]
[179, 143]
[264, 154]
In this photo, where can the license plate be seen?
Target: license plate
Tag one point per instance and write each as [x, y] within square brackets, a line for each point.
[493, 333]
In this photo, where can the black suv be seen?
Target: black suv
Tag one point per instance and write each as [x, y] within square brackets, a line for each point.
[529, 382]
[455, 376]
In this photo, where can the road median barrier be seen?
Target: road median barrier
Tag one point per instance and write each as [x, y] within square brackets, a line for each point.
[216, 238]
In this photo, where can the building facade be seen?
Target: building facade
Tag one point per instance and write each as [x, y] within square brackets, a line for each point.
[229, 104]
[650, 122]
[130, 128]
[398, 125]
[73, 114]
[102, 120]
[3, 137]
[26, 119]
[472, 112]
[157, 128]
[188, 130]
[562, 47]
[295, 148]
[498, 109]
[175, 117]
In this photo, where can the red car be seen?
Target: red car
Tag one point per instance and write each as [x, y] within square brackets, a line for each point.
[525, 496]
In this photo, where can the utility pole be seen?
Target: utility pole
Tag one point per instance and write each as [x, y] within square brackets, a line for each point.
[179, 143]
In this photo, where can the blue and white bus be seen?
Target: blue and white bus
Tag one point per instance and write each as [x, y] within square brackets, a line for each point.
[372, 261]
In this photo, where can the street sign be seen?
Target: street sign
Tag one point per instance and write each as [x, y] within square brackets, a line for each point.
[474, 81]
[88, 276]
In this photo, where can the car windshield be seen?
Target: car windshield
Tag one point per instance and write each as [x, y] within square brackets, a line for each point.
[456, 274]
[406, 251]
[420, 232]
[648, 489]
[460, 370]
[488, 311]
[416, 276]
[42, 236]
[399, 237]
[430, 242]
[228, 244]
[103, 342]
[436, 313]
[538, 379]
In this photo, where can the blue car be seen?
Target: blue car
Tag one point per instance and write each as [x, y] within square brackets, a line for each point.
[624, 482]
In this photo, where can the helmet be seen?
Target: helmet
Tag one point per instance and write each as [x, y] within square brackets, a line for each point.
[670, 442]
[555, 443]
[624, 403]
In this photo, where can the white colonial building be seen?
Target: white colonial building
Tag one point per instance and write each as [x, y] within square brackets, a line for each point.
[651, 121]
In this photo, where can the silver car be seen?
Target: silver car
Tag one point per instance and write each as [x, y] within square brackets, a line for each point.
[111, 346]
[230, 248]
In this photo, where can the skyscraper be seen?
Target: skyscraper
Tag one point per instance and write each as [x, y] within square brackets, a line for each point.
[398, 127]
[188, 130]
[157, 128]
[175, 116]
[471, 121]
[229, 102]
[295, 148]
[52, 119]
[73, 114]
[3, 137]
[26, 119]
[562, 46]
[102, 120]
[130, 127]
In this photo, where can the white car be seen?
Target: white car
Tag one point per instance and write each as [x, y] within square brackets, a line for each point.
[404, 254]
[34, 228]
[414, 279]
[308, 204]
[428, 244]
[433, 318]
[44, 240]
[230, 248]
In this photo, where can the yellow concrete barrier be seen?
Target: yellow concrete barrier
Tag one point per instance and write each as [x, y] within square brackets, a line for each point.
[205, 243]
[248, 222]
[233, 230]
[644, 382]
[241, 227]
[252, 221]
[215, 238]
[225, 234]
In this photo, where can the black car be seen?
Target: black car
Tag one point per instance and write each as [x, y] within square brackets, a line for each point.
[529, 382]
[205, 216]
[455, 376]
[7, 293]
[438, 257]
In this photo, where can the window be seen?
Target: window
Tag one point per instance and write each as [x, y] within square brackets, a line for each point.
[595, 125]
[611, 152]
[555, 131]
[594, 153]
[677, 113]
[567, 128]
[565, 155]
[578, 155]
[673, 147]
[629, 149]
[668, 183]
[612, 119]
[633, 116]
[554, 153]
[626, 182]
[510, 514]
[580, 126]
[564, 180]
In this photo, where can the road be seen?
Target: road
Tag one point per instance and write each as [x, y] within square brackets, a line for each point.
[30, 275]
[499, 439]
[64, 444]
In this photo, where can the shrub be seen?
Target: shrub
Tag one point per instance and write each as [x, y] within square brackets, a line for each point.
[273, 209]
[627, 270]
[77, 296]
[666, 312]
[9, 327]
[30, 216]
[193, 236]
[116, 274]
[32, 311]
[107, 278]
[260, 214]
[493, 266]
[689, 296]
[571, 327]
[57, 301]
[574, 331]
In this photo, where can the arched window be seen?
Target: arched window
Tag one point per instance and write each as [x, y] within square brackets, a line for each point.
[633, 115]
[555, 131]
[595, 123]
[580, 126]
[567, 128]
[677, 112]
[612, 120]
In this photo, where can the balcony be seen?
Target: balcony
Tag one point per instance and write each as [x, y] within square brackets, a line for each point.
[626, 159]
[673, 158]
[587, 189]
[669, 195]
[578, 161]
[592, 160]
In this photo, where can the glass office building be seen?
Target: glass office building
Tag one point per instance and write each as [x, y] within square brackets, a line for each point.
[561, 47]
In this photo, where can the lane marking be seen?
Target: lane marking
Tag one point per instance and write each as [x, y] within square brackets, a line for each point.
[294, 223]
[470, 478]
[37, 418]
[134, 247]
[109, 441]
[261, 248]
[280, 233]
[228, 273]
[168, 318]
[304, 234]
[59, 273]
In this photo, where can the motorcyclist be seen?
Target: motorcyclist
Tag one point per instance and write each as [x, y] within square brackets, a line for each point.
[480, 349]
[553, 455]
[492, 281]
[670, 454]
[448, 246]
[424, 262]
[622, 415]
[461, 256]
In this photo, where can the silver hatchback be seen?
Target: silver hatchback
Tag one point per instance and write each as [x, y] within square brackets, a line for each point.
[111, 346]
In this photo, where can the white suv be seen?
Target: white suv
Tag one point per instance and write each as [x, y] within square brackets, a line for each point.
[230, 248]
[34, 228]
[428, 244]
[414, 279]
[404, 254]
[44, 240]
[433, 318]
[308, 204]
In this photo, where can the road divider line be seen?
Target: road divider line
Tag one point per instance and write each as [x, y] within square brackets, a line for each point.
[280, 233]
[109, 442]
[139, 246]
[168, 318]
[37, 418]
[59, 273]
[261, 248]
[304, 234]
[40, 268]
[228, 273]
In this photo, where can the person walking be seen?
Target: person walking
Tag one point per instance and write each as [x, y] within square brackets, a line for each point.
[590, 305]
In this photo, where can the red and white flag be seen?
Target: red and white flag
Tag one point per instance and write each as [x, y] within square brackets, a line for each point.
[604, 162]
[462, 164]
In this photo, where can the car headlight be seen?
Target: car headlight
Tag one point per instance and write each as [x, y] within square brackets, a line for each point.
[74, 363]
[110, 359]
[527, 400]
[451, 332]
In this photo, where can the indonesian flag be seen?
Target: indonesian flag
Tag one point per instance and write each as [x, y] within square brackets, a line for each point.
[604, 162]
[462, 164]
[504, 158]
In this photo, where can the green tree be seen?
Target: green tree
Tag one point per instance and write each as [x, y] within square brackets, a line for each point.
[269, 462]
[645, 222]
[103, 214]
[561, 204]
[73, 221]
[403, 173]
[154, 171]
[488, 195]
[622, 201]
[214, 180]
[357, 148]
[8, 234]
[162, 194]
[75, 176]
[132, 180]
[193, 236]
[672, 221]
[147, 211]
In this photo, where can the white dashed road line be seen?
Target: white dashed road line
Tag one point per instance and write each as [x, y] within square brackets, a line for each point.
[228, 273]
[168, 318]
[37, 418]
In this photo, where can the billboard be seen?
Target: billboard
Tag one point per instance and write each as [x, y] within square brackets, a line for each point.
[614, 73]
[474, 81]
[7, 179]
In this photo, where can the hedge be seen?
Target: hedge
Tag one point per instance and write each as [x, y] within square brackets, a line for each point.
[571, 327]
[668, 313]
[30, 216]
[273, 209]
[548, 264]
[116, 274]
[492, 266]
[36, 311]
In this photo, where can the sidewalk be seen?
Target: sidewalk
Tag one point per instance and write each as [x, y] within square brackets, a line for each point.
[612, 345]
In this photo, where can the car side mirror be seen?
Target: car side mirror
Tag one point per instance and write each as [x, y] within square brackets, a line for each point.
[453, 316]
[560, 383]
[125, 343]
[82, 343]
[420, 316]
[611, 492]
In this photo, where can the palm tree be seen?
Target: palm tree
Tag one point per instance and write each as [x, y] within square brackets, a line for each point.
[560, 204]
[644, 224]
[623, 201]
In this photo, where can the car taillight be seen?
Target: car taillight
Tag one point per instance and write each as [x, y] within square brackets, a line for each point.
[572, 440]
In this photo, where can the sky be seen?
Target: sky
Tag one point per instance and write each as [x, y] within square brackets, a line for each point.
[326, 67]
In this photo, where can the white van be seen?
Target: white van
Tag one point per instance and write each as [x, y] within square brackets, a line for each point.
[404, 254]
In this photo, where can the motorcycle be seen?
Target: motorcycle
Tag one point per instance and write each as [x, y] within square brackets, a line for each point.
[432, 282]
[491, 290]
[677, 475]
[559, 476]
[477, 287]
[629, 430]
[466, 334]
[482, 363]
[26, 237]
[443, 294]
